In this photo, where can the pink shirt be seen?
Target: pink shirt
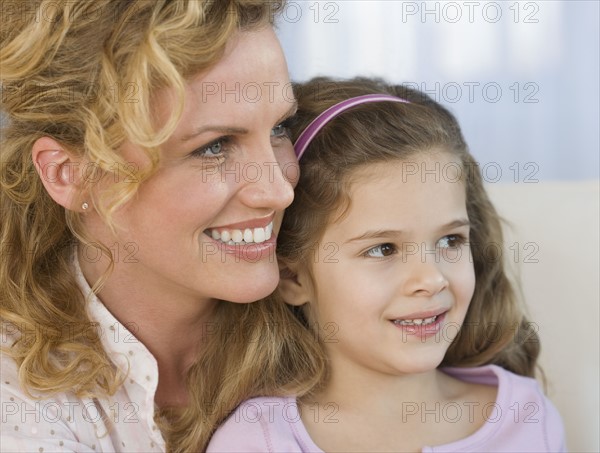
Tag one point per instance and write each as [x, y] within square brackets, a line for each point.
[521, 420]
[64, 423]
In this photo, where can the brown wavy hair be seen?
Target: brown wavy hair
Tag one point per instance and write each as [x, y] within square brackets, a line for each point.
[495, 330]
[84, 73]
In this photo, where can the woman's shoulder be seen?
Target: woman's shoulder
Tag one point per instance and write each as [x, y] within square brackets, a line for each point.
[62, 421]
[10, 386]
[521, 414]
[29, 422]
[264, 424]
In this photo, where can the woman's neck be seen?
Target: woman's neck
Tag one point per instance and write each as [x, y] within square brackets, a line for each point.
[169, 323]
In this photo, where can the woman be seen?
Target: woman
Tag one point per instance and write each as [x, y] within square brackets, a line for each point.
[145, 168]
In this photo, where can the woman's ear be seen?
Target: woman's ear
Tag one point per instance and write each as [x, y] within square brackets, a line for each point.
[59, 172]
[294, 285]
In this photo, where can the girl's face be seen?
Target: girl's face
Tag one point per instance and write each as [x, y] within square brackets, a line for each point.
[226, 174]
[394, 277]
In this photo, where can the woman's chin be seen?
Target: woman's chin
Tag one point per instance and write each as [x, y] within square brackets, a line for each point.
[258, 288]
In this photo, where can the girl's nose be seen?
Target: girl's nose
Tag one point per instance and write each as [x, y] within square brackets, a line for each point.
[424, 277]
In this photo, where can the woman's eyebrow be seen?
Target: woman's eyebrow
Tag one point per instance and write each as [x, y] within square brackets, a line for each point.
[215, 128]
[234, 130]
[291, 111]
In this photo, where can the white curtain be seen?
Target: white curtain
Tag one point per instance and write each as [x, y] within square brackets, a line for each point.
[522, 77]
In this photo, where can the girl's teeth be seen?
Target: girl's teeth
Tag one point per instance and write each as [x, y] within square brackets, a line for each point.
[247, 236]
[416, 322]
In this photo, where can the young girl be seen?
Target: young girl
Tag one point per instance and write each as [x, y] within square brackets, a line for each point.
[387, 261]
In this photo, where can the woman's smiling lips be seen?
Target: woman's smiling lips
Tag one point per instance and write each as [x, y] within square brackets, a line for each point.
[254, 231]
[251, 240]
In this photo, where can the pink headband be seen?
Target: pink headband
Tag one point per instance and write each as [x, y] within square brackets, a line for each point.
[320, 121]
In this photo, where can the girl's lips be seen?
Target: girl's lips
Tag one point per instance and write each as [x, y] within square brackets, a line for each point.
[422, 314]
[421, 330]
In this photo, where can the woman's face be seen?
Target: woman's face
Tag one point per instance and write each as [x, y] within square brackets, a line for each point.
[200, 228]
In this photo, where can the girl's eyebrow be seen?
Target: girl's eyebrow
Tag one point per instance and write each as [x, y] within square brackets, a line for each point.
[378, 234]
[456, 224]
[375, 234]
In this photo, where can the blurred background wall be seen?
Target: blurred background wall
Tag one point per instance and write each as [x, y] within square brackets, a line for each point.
[523, 79]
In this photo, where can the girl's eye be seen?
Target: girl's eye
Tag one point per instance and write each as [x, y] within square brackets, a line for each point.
[381, 250]
[281, 130]
[451, 241]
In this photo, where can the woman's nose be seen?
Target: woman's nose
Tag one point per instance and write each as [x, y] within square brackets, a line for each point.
[265, 184]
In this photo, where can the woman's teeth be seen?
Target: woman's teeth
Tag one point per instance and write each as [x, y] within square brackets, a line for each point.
[416, 322]
[242, 237]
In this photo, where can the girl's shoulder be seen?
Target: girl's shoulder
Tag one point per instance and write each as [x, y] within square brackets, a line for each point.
[265, 424]
[521, 418]
[511, 387]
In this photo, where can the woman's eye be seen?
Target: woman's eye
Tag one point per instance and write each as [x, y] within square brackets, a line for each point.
[281, 130]
[451, 241]
[212, 150]
[381, 251]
